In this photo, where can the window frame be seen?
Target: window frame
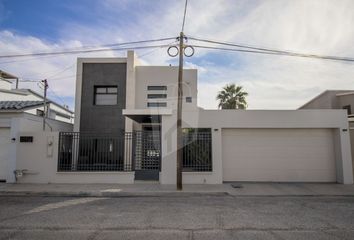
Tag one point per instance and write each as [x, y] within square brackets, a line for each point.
[107, 92]
[156, 87]
[157, 96]
[156, 104]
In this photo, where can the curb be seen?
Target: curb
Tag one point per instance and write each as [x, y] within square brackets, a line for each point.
[109, 195]
[154, 194]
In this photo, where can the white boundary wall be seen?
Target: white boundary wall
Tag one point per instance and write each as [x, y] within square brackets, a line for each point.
[220, 119]
[21, 122]
[40, 159]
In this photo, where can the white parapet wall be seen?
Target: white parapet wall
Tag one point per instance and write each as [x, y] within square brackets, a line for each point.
[39, 159]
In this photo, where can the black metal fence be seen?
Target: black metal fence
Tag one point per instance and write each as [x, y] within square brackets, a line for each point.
[92, 152]
[130, 151]
[197, 151]
[147, 150]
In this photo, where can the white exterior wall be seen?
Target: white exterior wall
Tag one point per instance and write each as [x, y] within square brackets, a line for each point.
[352, 145]
[165, 76]
[4, 145]
[4, 84]
[40, 159]
[5, 96]
[220, 119]
[18, 122]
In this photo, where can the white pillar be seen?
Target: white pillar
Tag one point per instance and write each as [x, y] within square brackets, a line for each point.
[343, 156]
[217, 154]
[11, 159]
[168, 149]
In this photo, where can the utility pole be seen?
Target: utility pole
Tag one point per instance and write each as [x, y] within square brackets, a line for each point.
[179, 113]
[181, 50]
[45, 83]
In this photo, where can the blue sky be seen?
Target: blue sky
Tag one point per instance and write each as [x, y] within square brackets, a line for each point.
[273, 82]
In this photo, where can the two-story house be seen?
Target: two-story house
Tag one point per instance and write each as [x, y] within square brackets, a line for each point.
[125, 130]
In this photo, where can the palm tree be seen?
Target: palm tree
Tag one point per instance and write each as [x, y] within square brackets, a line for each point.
[232, 97]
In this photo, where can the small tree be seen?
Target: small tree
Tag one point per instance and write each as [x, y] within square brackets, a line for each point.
[232, 97]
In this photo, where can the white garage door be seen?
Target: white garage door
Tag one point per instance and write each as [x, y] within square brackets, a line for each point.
[280, 155]
[4, 145]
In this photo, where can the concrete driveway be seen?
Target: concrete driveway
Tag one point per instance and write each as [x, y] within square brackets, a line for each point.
[198, 217]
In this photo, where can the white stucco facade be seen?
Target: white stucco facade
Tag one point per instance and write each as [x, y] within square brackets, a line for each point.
[11, 125]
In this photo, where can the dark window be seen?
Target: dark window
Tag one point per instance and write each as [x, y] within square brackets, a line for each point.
[157, 104]
[157, 87]
[157, 95]
[39, 112]
[188, 99]
[348, 108]
[26, 139]
[105, 95]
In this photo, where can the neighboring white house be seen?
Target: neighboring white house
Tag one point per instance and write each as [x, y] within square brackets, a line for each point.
[125, 130]
[21, 110]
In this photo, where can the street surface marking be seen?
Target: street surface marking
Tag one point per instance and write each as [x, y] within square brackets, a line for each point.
[66, 203]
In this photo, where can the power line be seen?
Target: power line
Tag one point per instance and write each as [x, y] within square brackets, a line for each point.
[130, 43]
[56, 96]
[184, 15]
[154, 50]
[267, 51]
[63, 70]
[233, 49]
[108, 48]
[34, 81]
[238, 45]
[25, 60]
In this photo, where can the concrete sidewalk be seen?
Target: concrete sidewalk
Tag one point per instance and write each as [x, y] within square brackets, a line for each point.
[156, 189]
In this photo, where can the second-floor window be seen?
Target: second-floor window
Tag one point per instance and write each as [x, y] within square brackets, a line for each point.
[157, 104]
[161, 88]
[105, 95]
[150, 96]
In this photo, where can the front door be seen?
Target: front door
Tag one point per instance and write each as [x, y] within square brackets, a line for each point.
[147, 153]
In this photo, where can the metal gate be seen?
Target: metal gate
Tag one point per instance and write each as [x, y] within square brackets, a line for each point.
[147, 155]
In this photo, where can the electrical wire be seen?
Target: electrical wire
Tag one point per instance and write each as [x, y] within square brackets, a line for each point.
[233, 49]
[238, 45]
[267, 50]
[33, 81]
[28, 59]
[108, 48]
[61, 71]
[154, 50]
[57, 97]
[184, 15]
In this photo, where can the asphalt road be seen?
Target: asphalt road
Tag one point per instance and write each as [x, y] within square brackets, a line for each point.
[203, 217]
